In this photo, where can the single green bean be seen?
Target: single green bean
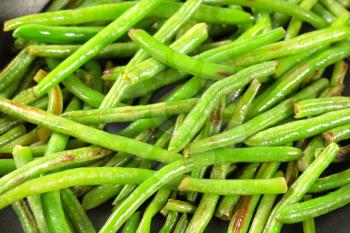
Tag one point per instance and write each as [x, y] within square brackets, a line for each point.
[295, 24]
[176, 60]
[324, 13]
[15, 69]
[331, 182]
[173, 205]
[301, 186]
[309, 153]
[115, 50]
[314, 107]
[260, 122]
[337, 134]
[12, 134]
[205, 13]
[285, 85]
[132, 223]
[283, 134]
[169, 223]
[302, 43]
[55, 34]
[131, 113]
[195, 119]
[315, 207]
[278, 6]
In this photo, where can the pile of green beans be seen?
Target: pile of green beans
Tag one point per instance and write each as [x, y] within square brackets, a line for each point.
[230, 110]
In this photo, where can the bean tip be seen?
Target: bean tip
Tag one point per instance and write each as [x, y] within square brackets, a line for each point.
[132, 32]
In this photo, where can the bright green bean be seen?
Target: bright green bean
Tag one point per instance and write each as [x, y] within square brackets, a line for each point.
[301, 186]
[55, 34]
[260, 122]
[309, 223]
[205, 13]
[302, 43]
[283, 134]
[181, 225]
[314, 107]
[195, 119]
[169, 223]
[131, 225]
[176, 60]
[309, 152]
[173, 205]
[331, 182]
[12, 134]
[336, 8]
[131, 113]
[324, 13]
[315, 207]
[337, 134]
[278, 6]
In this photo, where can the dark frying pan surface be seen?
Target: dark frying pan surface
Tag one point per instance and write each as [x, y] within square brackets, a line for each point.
[335, 222]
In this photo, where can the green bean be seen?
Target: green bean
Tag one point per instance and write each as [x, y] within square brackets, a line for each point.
[195, 119]
[228, 203]
[49, 163]
[55, 34]
[335, 7]
[291, 172]
[295, 24]
[337, 134]
[15, 69]
[302, 43]
[169, 223]
[314, 107]
[309, 153]
[204, 13]
[299, 129]
[291, 81]
[245, 209]
[131, 113]
[339, 71]
[263, 211]
[176, 60]
[97, 43]
[131, 225]
[178, 206]
[181, 225]
[309, 224]
[260, 122]
[180, 167]
[153, 208]
[116, 50]
[331, 182]
[12, 134]
[75, 212]
[301, 185]
[25, 217]
[244, 104]
[278, 6]
[315, 207]
[324, 13]
[91, 135]
[22, 156]
[280, 19]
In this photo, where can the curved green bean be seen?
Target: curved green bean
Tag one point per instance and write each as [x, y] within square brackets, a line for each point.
[175, 60]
